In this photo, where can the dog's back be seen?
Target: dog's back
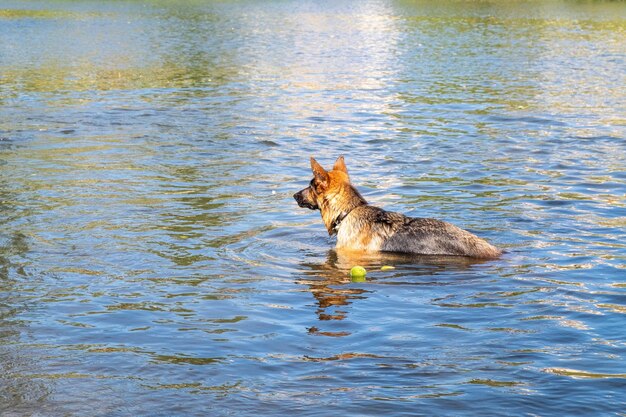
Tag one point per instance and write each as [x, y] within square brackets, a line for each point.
[373, 228]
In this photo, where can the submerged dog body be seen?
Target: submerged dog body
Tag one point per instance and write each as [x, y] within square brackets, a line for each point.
[362, 227]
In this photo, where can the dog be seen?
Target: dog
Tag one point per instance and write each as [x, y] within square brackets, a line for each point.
[362, 227]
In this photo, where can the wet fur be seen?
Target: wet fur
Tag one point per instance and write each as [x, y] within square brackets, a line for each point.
[362, 227]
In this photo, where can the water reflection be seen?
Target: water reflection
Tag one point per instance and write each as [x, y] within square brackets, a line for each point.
[334, 290]
[17, 300]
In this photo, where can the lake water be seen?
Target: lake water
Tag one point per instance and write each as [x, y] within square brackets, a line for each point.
[153, 261]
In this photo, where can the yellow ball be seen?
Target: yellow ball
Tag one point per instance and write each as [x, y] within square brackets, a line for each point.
[357, 271]
[387, 268]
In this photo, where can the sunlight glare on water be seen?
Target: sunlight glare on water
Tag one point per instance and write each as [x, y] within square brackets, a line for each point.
[154, 262]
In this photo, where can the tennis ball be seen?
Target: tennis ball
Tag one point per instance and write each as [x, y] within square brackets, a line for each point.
[387, 268]
[358, 272]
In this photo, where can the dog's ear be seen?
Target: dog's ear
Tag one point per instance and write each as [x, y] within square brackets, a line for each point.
[319, 172]
[340, 165]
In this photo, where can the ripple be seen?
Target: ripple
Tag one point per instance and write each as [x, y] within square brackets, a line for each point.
[577, 374]
[186, 360]
[496, 384]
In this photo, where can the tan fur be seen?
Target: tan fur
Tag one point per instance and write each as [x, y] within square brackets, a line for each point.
[362, 227]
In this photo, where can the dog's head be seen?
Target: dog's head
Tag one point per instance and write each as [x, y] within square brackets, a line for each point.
[323, 181]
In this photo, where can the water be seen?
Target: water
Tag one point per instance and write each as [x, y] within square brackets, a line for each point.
[153, 262]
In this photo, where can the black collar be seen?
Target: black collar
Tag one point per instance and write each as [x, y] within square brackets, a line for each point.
[334, 226]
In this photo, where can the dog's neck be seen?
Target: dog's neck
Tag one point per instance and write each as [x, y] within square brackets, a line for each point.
[334, 227]
[337, 206]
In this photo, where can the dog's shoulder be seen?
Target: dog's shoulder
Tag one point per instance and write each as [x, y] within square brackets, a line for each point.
[401, 222]
[388, 217]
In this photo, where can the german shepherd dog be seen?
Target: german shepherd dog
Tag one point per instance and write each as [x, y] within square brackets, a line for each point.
[361, 227]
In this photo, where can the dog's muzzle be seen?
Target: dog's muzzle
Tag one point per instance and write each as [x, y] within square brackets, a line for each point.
[302, 201]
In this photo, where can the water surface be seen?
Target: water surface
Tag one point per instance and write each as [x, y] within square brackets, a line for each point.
[153, 262]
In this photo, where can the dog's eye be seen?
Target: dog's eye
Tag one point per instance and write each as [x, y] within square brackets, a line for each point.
[312, 183]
